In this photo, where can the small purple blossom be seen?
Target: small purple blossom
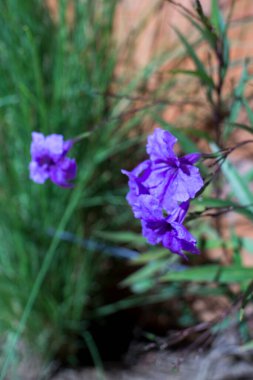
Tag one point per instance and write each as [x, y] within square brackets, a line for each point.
[167, 230]
[172, 177]
[160, 190]
[49, 160]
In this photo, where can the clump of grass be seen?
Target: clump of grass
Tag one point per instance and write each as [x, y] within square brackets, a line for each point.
[49, 72]
[57, 77]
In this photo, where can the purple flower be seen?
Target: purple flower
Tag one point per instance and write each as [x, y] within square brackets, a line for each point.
[160, 193]
[167, 230]
[137, 184]
[49, 160]
[172, 178]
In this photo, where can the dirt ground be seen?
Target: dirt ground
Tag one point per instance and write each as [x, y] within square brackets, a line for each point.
[224, 360]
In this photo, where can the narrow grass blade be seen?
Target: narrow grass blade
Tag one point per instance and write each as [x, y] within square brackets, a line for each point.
[201, 71]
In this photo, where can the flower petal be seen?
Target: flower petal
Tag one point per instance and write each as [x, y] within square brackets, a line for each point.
[38, 145]
[160, 145]
[186, 184]
[190, 159]
[55, 146]
[179, 213]
[38, 173]
[171, 242]
[188, 241]
[63, 172]
[150, 208]
[137, 180]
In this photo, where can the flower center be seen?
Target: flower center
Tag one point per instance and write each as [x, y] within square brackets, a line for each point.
[45, 160]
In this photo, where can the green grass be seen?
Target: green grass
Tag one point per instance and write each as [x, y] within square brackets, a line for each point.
[49, 77]
[54, 79]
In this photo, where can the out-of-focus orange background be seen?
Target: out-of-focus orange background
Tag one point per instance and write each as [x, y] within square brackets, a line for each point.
[157, 16]
[149, 23]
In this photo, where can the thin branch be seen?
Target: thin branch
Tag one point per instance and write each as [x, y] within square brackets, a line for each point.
[212, 213]
[183, 8]
[147, 99]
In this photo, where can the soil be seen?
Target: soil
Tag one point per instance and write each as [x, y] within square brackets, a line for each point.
[223, 360]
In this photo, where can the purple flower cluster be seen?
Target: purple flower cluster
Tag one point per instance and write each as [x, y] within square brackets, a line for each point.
[49, 160]
[160, 193]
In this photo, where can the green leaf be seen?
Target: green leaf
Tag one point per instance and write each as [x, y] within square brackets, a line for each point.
[217, 243]
[237, 246]
[240, 126]
[154, 254]
[248, 110]
[136, 300]
[206, 31]
[249, 176]
[216, 18]
[212, 202]
[247, 296]
[220, 203]
[247, 244]
[215, 14]
[247, 347]
[239, 185]
[211, 273]
[8, 100]
[225, 53]
[192, 73]
[220, 26]
[145, 273]
[202, 74]
[122, 237]
[238, 102]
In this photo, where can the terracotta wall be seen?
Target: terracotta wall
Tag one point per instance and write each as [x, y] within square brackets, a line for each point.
[158, 33]
[157, 16]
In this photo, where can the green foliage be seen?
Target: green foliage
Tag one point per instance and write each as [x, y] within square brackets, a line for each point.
[212, 273]
[223, 115]
[42, 65]
[54, 79]
[200, 68]
[57, 77]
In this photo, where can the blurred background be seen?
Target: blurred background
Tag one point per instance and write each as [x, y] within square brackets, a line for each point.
[79, 285]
